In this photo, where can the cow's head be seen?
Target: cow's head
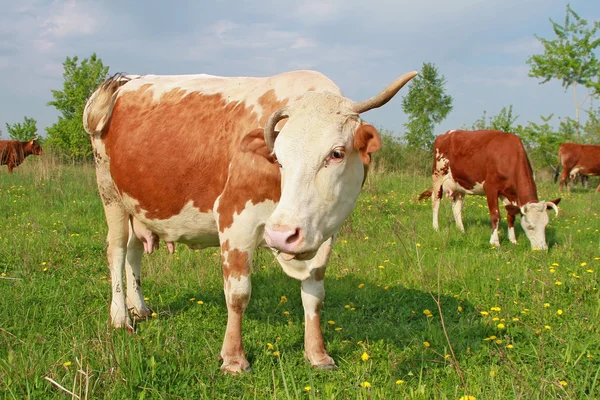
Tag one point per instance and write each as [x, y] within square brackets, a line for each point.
[323, 152]
[534, 218]
[33, 147]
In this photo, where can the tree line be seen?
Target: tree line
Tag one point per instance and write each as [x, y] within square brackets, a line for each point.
[569, 57]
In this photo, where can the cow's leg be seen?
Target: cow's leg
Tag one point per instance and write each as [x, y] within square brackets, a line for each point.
[10, 166]
[492, 200]
[118, 231]
[436, 197]
[135, 295]
[313, 295]
[510, 218]
[457, 205]
[564, 178]
[237, 288]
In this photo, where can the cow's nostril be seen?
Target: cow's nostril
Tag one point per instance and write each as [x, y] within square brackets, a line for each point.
[294, 237]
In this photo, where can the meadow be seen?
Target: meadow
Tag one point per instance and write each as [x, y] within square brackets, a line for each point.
[409, 312]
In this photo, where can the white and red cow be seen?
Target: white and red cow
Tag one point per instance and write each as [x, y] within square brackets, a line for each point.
[582, 159]
[493, 164]
[197, 159]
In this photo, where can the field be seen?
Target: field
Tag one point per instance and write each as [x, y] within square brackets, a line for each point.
[409, 312]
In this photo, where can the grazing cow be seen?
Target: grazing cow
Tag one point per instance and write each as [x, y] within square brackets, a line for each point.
[493, 164]
[13, 152]
[576, 159]
[204, 160]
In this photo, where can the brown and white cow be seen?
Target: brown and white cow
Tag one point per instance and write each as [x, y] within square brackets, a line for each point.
[197, 159]
[493, 164]
[583, 159]
[14, 152]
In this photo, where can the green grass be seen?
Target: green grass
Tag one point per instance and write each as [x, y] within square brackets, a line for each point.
[387, 264]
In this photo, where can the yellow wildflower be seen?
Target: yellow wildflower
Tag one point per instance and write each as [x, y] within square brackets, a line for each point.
[500, 326]
[559, 312]
[330, 322]
[307, 388]
[563, 383]
[276, 354]
[426, 344]
[399, 382]
[365, 384]
[365, 356]
[283, 300]
[200, 302]
[67, 363]
[362, 285]
[270, 346]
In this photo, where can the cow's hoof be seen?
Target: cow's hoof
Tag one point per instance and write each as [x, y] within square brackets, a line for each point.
[235, 367]
[321, 362]
[143, 313]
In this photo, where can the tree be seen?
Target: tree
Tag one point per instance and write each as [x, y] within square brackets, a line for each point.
[426, 104]
[570, 57]
[80, 81]
[504, 121]
[22, 131]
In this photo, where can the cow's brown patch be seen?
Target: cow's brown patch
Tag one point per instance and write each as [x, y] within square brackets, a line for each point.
[235, 262]
[178, 149]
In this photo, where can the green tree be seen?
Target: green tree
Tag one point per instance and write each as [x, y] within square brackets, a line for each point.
[80, 81]
[426, 105]
[22, 131]
[504, 121]
[570, 57]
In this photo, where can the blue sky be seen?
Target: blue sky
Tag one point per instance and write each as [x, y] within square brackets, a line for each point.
[480, 46]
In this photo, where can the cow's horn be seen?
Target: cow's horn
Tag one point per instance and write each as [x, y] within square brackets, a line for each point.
[551, 204]
[270, 126]
[385, 95]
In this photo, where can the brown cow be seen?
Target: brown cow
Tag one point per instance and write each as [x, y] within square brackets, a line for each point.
[576, 159]
[13, 152]
[493, 164]
[197, 159]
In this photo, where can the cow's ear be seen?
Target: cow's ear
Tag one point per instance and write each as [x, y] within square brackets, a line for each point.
[555, 201]
[512, 210]
[254, 142]
[366, 141]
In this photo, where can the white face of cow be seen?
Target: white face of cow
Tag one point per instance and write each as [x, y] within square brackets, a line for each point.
[534, 219]
[319, 152]
[323, 150]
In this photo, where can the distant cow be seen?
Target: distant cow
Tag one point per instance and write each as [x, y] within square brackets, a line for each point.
[576, 159]
[198, 159]
[13, 152]
[493, 164]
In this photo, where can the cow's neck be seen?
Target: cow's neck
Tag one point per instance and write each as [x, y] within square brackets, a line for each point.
[526, 189]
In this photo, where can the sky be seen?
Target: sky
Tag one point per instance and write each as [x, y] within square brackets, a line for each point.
[479, 46]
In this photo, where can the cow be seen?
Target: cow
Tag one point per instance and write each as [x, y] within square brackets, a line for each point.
[576, 159]
[493, 164]
[235, 162]
[14, 152]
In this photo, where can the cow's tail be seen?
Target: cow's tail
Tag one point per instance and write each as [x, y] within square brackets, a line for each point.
[99, 106]
[425, 194]
[557, 172]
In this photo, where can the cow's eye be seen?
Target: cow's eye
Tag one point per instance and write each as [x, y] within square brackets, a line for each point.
[337, 155]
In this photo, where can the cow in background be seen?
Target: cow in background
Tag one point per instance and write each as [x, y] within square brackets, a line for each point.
[14, 152]
[234, 162]
[574, 158]
[492, 164]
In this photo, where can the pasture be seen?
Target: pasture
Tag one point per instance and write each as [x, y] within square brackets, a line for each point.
[409, 312]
